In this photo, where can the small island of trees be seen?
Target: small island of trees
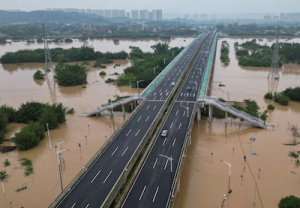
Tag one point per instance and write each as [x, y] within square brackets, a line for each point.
[70, 75]
[225, 51]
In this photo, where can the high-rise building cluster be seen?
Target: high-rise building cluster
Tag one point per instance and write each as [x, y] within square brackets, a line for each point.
[155, 15]
[283, 16]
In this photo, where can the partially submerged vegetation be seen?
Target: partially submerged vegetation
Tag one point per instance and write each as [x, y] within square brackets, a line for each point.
[143, 70]
[70, 75]
[225, 51]
[24, 187]
[38, 75]
[6, 163]
[36, 115]
[83, 53]
[28, 166]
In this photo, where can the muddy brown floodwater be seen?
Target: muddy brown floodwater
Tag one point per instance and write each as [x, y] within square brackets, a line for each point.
[205, 177]
[17, 86]
[103, 45]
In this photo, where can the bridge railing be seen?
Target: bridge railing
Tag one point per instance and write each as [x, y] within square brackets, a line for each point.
[206, 77]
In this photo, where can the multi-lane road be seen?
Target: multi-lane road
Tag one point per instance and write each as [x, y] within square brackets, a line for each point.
[153, 184]
[94, 187]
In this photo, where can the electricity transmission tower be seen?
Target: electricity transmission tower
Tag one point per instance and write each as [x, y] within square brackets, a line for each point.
[274, 70]
[47, 54]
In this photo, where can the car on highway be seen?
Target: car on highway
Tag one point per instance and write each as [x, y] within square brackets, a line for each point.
[173, 83]
[189, 88]
[164, 133]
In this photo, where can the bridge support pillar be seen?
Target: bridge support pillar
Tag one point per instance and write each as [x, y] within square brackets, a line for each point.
[135, 104]
[123, 110]
[199, 115]
[210, 112]
[131, 106]
[226, 117]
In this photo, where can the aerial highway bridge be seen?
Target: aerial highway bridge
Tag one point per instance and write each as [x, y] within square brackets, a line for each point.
[171, 102]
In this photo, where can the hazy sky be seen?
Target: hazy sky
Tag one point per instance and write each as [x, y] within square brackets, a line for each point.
[178, 6]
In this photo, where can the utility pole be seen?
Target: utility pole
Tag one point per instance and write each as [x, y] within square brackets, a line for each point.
[47, 53]
[49, 135]
[112, 114]
[274, 70]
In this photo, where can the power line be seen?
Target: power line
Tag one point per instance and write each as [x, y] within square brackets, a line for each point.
[248, 164]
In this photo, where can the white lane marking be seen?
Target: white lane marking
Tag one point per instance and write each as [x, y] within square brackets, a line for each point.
[179, 126]
[114, 151]
[155, 194]
[160, 93]
[154, 98]
[172, 74]
[147, 107]
[154, 93]
[155, 163]
[139, 118]
[174, 79]
[165, 84]
[93, 179]
[176, 112]
[128, 132]
[192, 76]
[124, 151]
[174, 142]
[73, 205]
[169, 79]
[87, 206]
[197, 77]
[165, 141]
[142, 193]
[107, 176]
[166, 164]
[137, 132]
[147, 119]
[160, 90]
[193, 95]
[183, 113]
[184, 94]
[187, 94]
[181, 94]
[161, 97]
[154, 107]
[167, 94]
[171, 125]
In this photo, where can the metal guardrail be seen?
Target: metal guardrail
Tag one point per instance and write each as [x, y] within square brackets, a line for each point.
[206, 77]
[241, 114]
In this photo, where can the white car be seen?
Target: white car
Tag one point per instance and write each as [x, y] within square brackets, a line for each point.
[173, 83]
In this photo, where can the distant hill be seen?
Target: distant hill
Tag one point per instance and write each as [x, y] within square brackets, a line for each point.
[49, 16]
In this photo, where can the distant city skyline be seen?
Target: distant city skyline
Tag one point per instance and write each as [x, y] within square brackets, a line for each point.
[168, 6]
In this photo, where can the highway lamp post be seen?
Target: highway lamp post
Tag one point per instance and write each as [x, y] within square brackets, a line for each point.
[155, 68]
[137, 83]
[229, 165]
[49, 135]
[165, 61]
[187, 113]
[173, 52]
[59, 154]
[112, 115]
[171, 161]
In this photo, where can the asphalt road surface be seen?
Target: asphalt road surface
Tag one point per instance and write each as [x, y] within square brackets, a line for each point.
[153, 184]
[93, 188]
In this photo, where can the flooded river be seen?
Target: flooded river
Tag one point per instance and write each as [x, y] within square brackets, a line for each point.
[17, 86]
[205, 178]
